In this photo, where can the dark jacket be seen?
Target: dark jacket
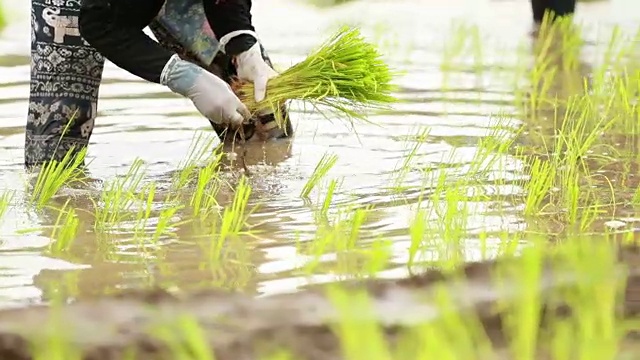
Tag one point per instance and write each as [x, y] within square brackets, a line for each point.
[114, 28]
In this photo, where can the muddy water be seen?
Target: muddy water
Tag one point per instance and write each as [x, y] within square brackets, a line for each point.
[141, 120]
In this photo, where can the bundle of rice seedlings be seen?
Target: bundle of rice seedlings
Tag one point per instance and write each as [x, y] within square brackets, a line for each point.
[346, 75]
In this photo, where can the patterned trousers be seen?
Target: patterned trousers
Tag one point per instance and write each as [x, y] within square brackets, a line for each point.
[66, 73]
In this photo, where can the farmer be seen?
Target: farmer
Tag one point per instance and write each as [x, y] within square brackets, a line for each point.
[558, 7]
[71, 38]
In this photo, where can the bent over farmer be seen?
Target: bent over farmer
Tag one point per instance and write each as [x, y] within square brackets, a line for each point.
[202, 44]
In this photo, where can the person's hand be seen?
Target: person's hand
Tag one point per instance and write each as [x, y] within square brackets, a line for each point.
[251, 66]
[211, 95]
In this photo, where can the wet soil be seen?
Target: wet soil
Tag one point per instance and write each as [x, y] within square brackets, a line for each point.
[238, 326]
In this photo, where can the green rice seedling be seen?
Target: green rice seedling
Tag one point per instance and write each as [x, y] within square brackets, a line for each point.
[165, 218]
[56, 348]
[611, 59]
[53, 175]
[542, 178]
[144, 213]
[184, 337]
[118, 197]
[473, 342]
[234, 217]
[636, 197]
[52, 341]
[556, 52]
[65, 229]
[322, 168]
[166, 222]
[354, 223]
[625, 88]
[454, 46]
[541, 78]
[419, 230]
[378, 256]
[561, 33]
[492, 150]
[565, 178]
[417, 233]
[346, 75]
[388, 42]
[203, 200]
[339, 235]
[5, 200]
[401, 171]
[521, 316]
[203, 148]
[575, 139]
[353, 328]
[342, 232]
[451, 208]
[594, 303]
[3, 17]
[232, 267]
[322, 214]
[520, 284]
[281, 354]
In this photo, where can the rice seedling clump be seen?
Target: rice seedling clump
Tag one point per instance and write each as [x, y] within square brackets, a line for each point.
[346, 74]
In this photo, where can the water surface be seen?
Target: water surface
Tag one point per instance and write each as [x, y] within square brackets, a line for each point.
[141, 120]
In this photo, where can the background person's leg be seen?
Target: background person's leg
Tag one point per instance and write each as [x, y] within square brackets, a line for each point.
[65, 80]
[558, 7]
[563, 7]
[182, 27]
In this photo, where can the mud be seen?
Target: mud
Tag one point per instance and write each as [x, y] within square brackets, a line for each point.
[238, 326]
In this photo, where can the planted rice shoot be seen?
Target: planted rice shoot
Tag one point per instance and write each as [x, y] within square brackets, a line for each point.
[400, 173]
[167, 222]
[346, 76]
[184, 338]
[65, 229]
[203, 148]
[322, 214]
[320, 171]
[418, 232]
[144, 212]
[118, 198]
[164, 224]
[203, 200]
[53, 175]
[234, 218]
[5, 200]
[3, 17]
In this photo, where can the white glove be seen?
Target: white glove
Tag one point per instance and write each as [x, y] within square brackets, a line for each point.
[211, 95]
[250, 65]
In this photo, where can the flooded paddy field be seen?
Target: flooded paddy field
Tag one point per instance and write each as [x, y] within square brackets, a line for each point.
[504, 144]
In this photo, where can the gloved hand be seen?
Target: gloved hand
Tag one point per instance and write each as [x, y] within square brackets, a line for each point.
[250, 66]
[211, 95]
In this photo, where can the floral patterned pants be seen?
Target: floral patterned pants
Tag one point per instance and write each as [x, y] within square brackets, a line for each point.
[66, 72]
